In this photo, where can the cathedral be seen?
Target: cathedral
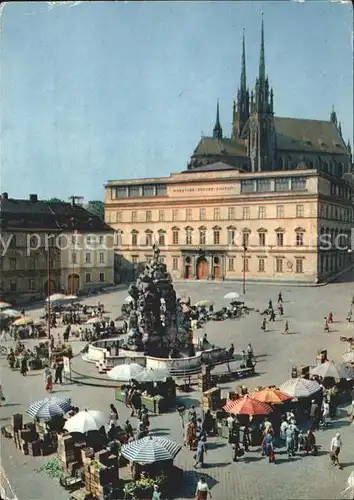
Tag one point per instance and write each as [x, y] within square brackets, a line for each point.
[261, 141]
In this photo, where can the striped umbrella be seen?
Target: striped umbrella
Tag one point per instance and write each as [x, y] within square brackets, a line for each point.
[300, 387]
[271, 395]
[247, 406]
[49, 407]
[331, 369]
[150, 449]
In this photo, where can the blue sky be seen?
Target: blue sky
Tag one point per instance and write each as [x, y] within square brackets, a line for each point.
[102, 91]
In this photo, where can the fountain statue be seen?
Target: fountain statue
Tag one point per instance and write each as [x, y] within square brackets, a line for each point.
[155, 317]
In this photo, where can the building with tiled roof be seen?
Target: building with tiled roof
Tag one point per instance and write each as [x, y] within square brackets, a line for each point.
[51, 246]
[261, 141]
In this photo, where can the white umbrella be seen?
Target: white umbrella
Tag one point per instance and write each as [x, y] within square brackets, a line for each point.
[149, 375]
[348, 357]
[126, 372]
[56, 297]
[72, 298]
[232, 296]
[11, 313]
[128, 299]
[300, 387]
[331, 369]
[4, 305]
[85, 421]
[204, 303]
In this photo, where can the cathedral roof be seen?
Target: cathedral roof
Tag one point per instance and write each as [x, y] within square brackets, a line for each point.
[219, 147]
[297, 134]
[212, 167]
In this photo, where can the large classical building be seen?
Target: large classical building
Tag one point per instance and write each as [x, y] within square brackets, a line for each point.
[261, 204]
[51, 247]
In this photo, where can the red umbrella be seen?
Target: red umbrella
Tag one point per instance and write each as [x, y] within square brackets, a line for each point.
[248, 406]
[271, 395]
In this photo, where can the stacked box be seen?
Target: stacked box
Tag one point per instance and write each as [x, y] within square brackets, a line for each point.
[66, 451]
[17, 440]
[24, 447]
[35, 448]
[86, 453]
[204, 379]
[17, 422]
[26, 435]
[212, 399]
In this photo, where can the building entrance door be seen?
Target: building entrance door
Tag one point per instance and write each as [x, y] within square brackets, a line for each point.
[202, 268]
[188, 272]
[217, 273]
[73, 284]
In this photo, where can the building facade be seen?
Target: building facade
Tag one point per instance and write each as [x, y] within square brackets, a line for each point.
[39, 252]
[225, 224]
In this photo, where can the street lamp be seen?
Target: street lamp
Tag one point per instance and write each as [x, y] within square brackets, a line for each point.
[244, 268]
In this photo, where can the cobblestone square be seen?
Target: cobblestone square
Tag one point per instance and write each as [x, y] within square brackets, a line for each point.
[302, 478]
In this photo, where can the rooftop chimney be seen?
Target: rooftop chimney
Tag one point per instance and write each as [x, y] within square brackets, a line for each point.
[33, 198]
[5, 196]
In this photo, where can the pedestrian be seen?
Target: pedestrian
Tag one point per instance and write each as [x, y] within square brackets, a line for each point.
[314, 415]
[330, 317]
[283, 426]
[202, 490]
[128, 429]
[113, 417]
[2, 397]
[281, 309]
[156, 495]
[201, 451]
[24, 366]
[269, 447]
[270, 304]
[192, 415]
[280, 298]
[286, 328]
[264, 324]
[59, 373]
[136, 402]
[326, 325]
[272, 315]
[290, 440]
[336, 445]
[48, 378]
[325, 413]
[246, 441]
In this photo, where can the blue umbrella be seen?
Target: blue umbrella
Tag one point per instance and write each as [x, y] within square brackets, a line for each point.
[49, 407]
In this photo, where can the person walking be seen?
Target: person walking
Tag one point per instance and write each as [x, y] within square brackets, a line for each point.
[24, 366]
[59, 373]
[264, 324]
[280, 298]
[336, 445]
[48, 378]
[326, 325]
[202, 490]
[286, 328]
[201, 451]
[113, 417]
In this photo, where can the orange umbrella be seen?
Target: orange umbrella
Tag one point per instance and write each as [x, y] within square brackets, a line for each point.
[271, 395]
[248, 406]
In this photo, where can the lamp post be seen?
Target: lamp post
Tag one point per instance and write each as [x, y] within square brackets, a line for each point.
[244, 268]
[48, 291]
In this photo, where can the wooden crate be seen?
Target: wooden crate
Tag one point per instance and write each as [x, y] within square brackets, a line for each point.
[17, 421]
[212, 399]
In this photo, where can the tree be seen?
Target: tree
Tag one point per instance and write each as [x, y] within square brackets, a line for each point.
[96, 207]
[54, 200]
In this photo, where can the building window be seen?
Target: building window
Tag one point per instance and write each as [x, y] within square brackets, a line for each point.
[246, 213]
[175, 214]
[300, 209]
[161, 216]
[118, 260]
[88, 277]
[134, 191]
[299, 268]
[261, 266]
[299, 239]
[149, 190]
[264, 185]
[282, 183]
[134, 238]
[278, 265]
[231, 213]
[73, 239]
[216, 213]
[119, 238]
[148, 216]
[175, 263]
[247, 186]
[280, 164]
[216, 238]
[188, 236]
[87, 258]
[12, 264]
[73, 257]
[280, 239]
[202, 237]
[134, 216]
[13, 286]
[31, 285]
[280, 211]
[262, 239]
[134, 260]
[261, 212]
[119, 216]
[245, 267]
[202, 214]
[189, 214]
[101, 257]
[245, 239]
[148, 239]
[101, 277]
[175, 237]
[231, 264]
[161, 190]
[162, 239]
[101, 239]
[88, 240]
[298, 183]
[231, 233]
[121, 192]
